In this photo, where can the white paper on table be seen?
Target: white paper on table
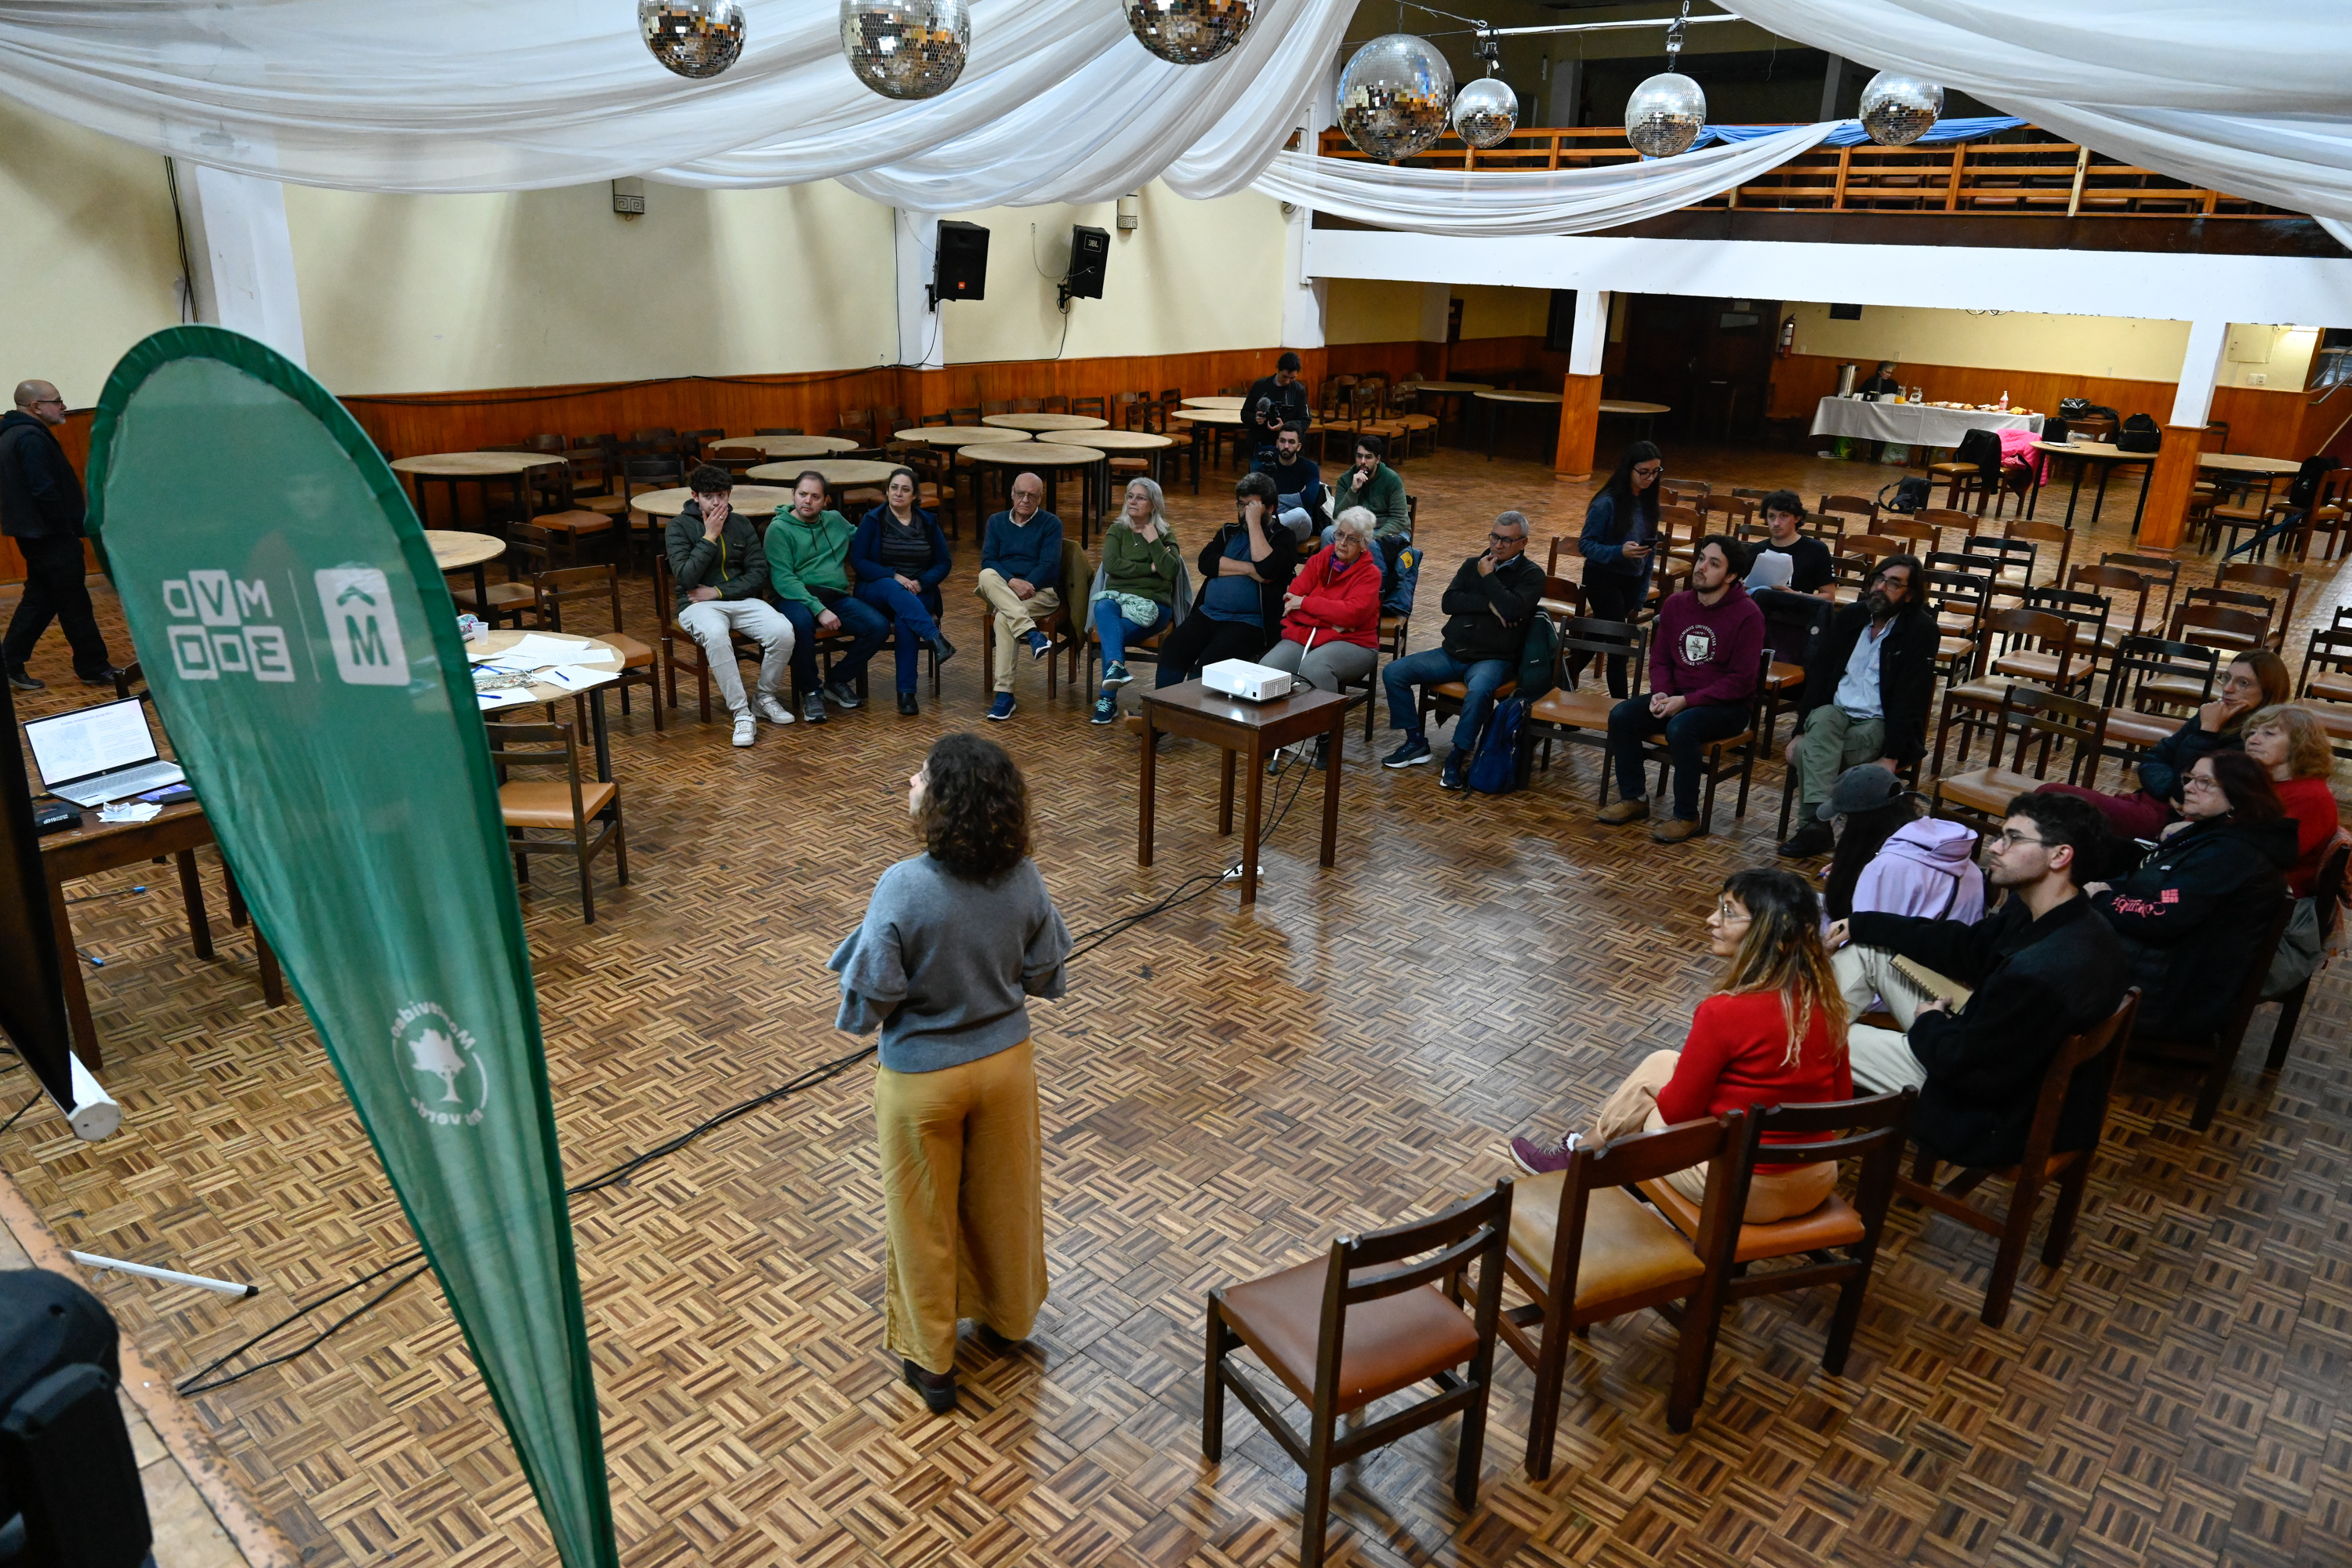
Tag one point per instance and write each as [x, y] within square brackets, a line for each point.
[579, 679]
[535, 652]
[515, 696]
[130, 811]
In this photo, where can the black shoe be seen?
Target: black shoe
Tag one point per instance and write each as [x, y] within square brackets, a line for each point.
[103, 678]
[908, 705]
[841, 694]
[1450, 775]
[1812, 839]
[23, 680]
[942, 650]
[938, 1388]
[997, 1343]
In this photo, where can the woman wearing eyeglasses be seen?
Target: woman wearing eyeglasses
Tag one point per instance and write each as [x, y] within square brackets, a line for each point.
[2193, 912]
[1772, 1034]
[1620, 532]
[2255, 680]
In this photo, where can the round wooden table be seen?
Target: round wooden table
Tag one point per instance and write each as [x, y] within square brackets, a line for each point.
[790, 446]
[1493, 400]
[454, 468]
[1117, 442]
[748, 499]
[456, 552]
[1036, 421]
[2109, 459]
[1449, 394]
[959, 436]
[607, 664]
[1647, 413]
[2246, 463]
[1218, 402]
[839, 472]
[1049, 459]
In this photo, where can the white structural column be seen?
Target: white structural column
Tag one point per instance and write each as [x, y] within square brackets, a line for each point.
[2200, 367]
[1590, 334]
[923, 327]
[1437, 312]
[242, 255]
[1302, 296]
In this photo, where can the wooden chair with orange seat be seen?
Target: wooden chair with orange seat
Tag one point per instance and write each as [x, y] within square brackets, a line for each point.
[1584, 1250]
[1869, 1131]
[555, 509]
[2121, 587]
[2132, 724]
[585, 813]
[2096, 1052]
[586, 586]
[2011, 636]
[515, 598]
[2045, 724]
[2327, 661]
[1061, 624]
[1363, 1322]
[2275, 585]
[1576, 709]
[1840, 513]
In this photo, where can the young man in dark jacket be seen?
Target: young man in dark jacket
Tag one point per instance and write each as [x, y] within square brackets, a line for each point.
[1867, 694]
[1705, 654]
[41, 510]
[2043, 966]
[720, 572]
[1274, 401]
[1297, 486]
[1487, 609]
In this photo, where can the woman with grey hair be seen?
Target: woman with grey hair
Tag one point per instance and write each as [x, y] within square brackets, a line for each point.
[1331, 620]
[1136, 588]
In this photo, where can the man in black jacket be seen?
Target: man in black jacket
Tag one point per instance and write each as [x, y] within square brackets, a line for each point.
[1867, 694]
[2040, 967]
[1274, 400]
[1487, 609]
[1298, 485]
[41, 510]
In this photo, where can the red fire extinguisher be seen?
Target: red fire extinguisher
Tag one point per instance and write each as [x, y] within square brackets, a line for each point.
[1787, 336]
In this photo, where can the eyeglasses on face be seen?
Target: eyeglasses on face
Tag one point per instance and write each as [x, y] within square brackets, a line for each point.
[1508, 538]
[1648, 471]
[2009, 840]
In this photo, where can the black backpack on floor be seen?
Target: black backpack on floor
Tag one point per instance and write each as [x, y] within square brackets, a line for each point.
[1908, 494]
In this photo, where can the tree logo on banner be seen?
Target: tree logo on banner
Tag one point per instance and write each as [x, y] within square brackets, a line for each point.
[431, 1045]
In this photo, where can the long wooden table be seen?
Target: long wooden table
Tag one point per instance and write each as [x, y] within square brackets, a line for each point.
[1247, 733]
[178, 831]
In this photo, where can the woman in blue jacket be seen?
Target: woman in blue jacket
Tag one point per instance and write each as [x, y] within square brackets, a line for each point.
[898, 556]
[1620, 528]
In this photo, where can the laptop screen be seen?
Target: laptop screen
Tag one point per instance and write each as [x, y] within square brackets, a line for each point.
[91, 740]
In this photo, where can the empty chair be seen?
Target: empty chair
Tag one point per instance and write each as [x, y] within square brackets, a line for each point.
[584, 815]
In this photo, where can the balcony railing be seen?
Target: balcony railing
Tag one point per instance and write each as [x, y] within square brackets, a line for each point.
[2023, 172]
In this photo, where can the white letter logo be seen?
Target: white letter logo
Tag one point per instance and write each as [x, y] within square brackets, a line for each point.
[362, 625]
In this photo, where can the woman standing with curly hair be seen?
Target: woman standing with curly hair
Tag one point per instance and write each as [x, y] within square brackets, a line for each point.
[954, 943]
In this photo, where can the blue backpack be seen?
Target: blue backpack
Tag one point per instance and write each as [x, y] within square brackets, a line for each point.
[1495, 766]
[1399, 573]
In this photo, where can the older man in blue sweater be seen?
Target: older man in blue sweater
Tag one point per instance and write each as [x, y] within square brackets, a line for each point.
[1020, 577]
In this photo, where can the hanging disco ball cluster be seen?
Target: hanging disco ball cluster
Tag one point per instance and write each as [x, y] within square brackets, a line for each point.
[1190, 32]
[695, 38]
[1897, 109]
[906, 49]
[1394, 97]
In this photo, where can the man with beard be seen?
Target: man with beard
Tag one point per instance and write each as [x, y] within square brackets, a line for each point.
[1867, 693]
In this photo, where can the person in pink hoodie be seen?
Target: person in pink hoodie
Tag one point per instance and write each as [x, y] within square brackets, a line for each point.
[1894, 859]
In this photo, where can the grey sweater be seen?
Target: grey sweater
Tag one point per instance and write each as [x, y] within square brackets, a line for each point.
[945, 967]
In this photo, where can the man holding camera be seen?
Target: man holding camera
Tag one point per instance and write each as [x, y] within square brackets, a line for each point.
[1274, 402]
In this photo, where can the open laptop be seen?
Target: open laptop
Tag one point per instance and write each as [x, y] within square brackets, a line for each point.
[94, 755]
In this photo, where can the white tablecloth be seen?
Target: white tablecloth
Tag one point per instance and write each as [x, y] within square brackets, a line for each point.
[1913, 423]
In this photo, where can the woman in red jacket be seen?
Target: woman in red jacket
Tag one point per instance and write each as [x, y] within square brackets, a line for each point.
[2293, 749]
[1331, 620]
[1772, 1034]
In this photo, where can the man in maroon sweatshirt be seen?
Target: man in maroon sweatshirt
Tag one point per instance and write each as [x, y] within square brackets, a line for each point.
[1704, 662]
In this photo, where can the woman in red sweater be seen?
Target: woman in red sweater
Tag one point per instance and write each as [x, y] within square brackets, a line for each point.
[2293, 749]
[1772, 1034]
[1331, 620]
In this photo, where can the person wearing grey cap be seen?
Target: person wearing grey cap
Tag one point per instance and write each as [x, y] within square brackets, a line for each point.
[1892, 857]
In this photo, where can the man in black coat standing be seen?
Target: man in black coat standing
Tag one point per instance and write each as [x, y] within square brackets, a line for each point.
[41, 510]
[2043, 966]
[1867, 694]
[1274, 402]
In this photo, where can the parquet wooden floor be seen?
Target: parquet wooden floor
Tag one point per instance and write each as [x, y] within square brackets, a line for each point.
[1222, 1093]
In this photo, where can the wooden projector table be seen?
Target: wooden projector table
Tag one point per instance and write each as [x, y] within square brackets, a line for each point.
[1248, 732]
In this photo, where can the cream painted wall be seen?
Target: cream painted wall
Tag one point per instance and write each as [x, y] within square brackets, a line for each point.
[89, 247]
[538, 288]
[1491, 312]
[1191, 277]
[2088, 345]
[1370, 310]
[2278, 358]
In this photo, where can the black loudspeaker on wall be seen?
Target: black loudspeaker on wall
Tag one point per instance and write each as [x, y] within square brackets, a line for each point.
[961, 271]
[1089, 256]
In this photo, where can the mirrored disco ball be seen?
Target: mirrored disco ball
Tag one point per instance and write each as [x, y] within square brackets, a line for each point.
[1486, 112]
[1394, 95]
[1190, 32]
[693, 37]
[1897, 109]
[1666, 115]
[906, 49]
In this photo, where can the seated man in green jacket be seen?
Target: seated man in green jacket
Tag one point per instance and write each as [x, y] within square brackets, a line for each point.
[808, 551]
[1378, 489]
[722, 579]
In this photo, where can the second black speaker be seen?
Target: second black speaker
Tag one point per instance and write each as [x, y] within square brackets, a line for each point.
[1089, 256]
[961, 271]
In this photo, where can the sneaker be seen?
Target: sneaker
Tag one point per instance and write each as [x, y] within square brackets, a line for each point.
[907, 706]
[1812, 839]
[100, 678]
[1116, 675]
[1538, 1159]
[1106, 709]
[1673, 830]
[747, 730]
[942, 650]
[1411, 754]
[774, 712]
[1003, 706]
[841, 695]
[1450, 776]
[813, 708]
[1040, 645]
[23, 680]
[1624, 811]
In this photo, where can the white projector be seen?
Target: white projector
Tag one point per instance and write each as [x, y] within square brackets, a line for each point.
[1251, 682]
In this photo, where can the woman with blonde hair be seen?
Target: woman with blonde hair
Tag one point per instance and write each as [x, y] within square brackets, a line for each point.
[1772, 1034]
[2293, 748]
[1135, 597]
